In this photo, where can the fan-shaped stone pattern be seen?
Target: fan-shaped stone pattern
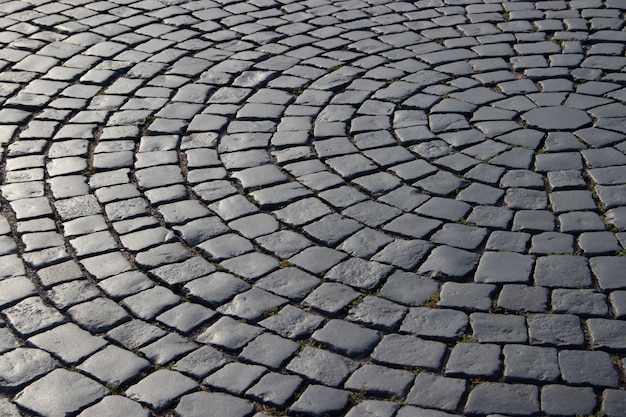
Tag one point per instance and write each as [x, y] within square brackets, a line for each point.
[230, 179]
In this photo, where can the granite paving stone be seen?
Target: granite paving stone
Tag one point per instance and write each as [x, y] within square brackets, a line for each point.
[603, 267]
[103, 366]
[475, 360]
[448, 263]
[405, 254]
[22, 365]
[530, 363]
[98, 315]
[318, 400]
[523, 298]
[438, 324]
[587, 368]
[437, 392]
[613, 402]
[346, 202]
[377, 313]
[409, 351]
[14, 290]
[115, 405]
[167, 348]
[575, 268]
[229, 334]
[235, 378]
[555, 330]
[379, 380]
[275, 389]
[252, 304]
[160, 388]
[605, 333]
[227, 405]
[498, 328]
[347, 338]
[18, 316]
[322, 366]
[467, 296]
[149, 303]
[373, 407]
[564, 400]
[504, 267]
[60, 392]
[520, 399]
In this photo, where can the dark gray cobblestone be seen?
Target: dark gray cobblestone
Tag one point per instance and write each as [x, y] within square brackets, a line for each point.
[389, 208]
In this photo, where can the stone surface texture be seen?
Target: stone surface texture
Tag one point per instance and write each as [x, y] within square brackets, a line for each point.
[321, 208]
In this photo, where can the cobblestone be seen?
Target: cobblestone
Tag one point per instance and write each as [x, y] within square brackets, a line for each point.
[350, 208]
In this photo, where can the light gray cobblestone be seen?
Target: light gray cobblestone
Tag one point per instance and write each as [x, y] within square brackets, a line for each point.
[346, 208]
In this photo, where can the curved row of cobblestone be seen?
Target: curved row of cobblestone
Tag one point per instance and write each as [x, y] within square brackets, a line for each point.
[267, 208]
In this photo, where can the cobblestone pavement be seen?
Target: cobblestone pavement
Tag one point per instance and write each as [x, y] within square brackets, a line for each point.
[274, 207]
